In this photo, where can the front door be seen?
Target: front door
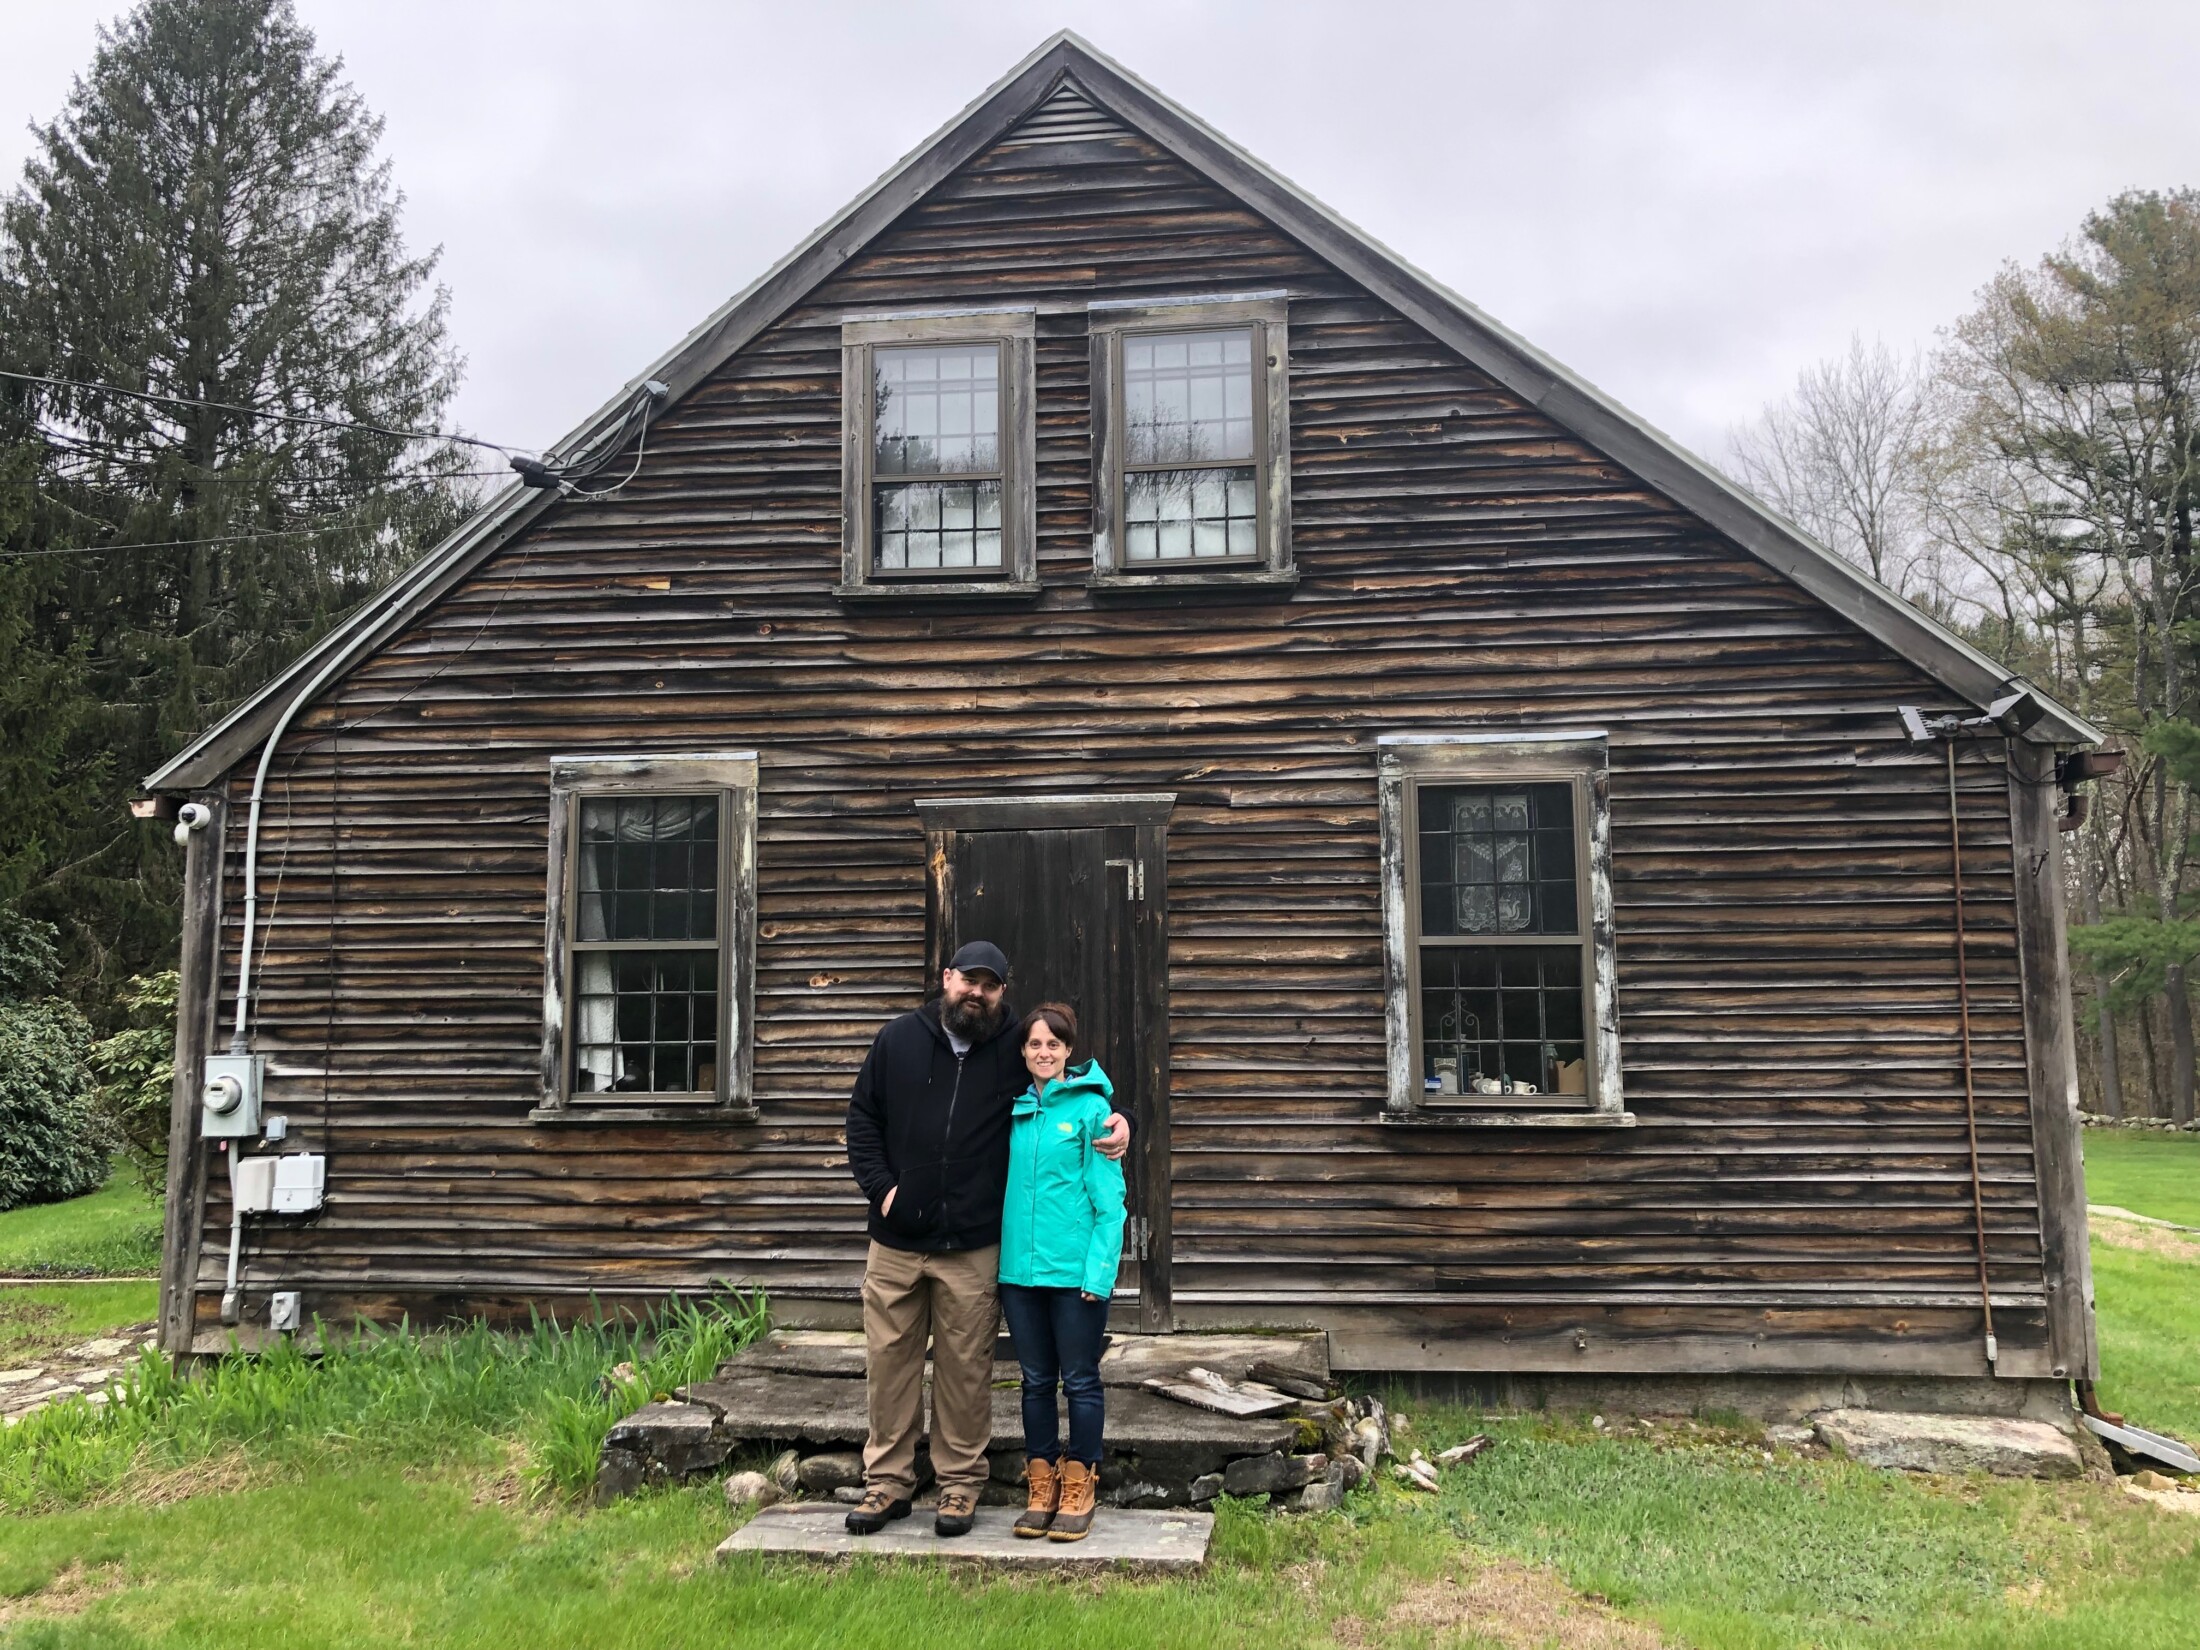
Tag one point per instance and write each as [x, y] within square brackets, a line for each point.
[1074, 891]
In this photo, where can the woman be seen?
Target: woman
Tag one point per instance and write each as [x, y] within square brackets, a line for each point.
[1061, 1236]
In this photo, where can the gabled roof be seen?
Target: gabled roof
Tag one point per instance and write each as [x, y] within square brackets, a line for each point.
[1570, 402]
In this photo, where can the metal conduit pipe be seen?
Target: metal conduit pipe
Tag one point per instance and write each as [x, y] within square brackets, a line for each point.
[239, 1038]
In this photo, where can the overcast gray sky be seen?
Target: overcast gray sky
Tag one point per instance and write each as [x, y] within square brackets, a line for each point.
[1683, 202]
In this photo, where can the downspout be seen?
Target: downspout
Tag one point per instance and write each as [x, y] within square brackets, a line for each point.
[2006, 718]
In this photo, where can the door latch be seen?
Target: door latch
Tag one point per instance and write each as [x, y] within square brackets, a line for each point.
[1134, 878]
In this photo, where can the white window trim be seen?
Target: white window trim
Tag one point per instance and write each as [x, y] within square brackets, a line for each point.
[1268, 314]
[1403, 763]
[1013, 330]
[731, 775]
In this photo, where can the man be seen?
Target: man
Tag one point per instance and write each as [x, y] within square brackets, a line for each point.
[928, 1143]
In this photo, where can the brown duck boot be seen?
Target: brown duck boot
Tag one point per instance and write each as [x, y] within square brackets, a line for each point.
[1073, 1517]
[879, 1507]
[958, 1510]
[1046, 1491]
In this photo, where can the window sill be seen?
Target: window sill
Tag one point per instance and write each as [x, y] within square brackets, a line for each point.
[934, 590]
[1465, 1117]
[1219, 578]
[695, 1111]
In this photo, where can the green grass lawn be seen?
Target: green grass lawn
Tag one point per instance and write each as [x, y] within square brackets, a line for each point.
[38, 1317]
[114, 1231]
[404, 1491]
[2148, 1171]
[1707, 1542]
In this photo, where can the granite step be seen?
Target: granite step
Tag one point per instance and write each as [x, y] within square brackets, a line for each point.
[1120, 1539]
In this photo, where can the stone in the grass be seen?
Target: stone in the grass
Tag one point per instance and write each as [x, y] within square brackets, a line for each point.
[830, 1470]
[1324, 1494]
[1267, 1474]
[1952, 1443]
[752, 1489]
[1206, 1487]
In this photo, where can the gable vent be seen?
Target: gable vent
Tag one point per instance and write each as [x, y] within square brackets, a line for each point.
[1066, 117]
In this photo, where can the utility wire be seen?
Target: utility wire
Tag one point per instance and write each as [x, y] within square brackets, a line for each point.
[308, 419]
[331, 525]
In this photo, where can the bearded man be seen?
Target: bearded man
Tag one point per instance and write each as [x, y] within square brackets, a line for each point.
[928, 1143]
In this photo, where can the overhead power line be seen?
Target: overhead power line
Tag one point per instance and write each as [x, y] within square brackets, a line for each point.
[308, 419]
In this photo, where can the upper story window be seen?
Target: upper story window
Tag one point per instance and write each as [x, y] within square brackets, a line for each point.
[1498, 928]
[1192, 444]
[648, 973]
[937, 446]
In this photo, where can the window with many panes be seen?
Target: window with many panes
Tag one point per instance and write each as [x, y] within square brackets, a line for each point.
[652, 880]
[937, 454]
[1191, 420]
[1498, 855]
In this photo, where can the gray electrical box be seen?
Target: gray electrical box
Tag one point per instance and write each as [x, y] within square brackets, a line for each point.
[229, 1097]
[283, 1312]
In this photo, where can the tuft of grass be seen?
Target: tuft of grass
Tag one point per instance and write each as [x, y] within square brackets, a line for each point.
[114, 1231]
[2148, 1171]
[688, 1344]
[380, 1395]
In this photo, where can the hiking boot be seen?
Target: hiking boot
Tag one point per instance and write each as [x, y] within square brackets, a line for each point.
[958, 1510]
[1046, 1493]
[879, 1507]
[1073, 1517]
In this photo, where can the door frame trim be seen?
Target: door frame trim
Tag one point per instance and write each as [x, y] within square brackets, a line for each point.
[1044, 813]
[1147, 813]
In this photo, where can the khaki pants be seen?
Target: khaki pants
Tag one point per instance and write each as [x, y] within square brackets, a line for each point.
[950, 1299]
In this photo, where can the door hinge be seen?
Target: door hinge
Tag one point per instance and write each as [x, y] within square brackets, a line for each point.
[1134, 878]
[1137, 1237]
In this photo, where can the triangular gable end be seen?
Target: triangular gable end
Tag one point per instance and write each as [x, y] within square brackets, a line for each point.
[1068, 92]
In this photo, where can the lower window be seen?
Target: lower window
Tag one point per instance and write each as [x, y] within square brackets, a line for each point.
[1496, 853]
[648, 925]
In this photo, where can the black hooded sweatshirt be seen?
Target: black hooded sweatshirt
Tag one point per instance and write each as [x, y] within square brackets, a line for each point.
[937, 1127]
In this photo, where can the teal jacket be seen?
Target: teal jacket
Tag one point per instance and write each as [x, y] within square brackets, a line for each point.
[1062, 1221]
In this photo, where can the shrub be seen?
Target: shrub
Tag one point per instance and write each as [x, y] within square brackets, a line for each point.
[136, 1069]
[53, 1141]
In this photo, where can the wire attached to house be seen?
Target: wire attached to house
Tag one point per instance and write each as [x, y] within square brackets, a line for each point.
[306, 420]
[569, 478]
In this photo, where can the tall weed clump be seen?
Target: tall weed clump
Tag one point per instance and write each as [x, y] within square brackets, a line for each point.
[394, 1394]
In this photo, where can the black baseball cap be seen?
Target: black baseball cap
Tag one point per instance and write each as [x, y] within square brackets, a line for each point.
[980, 957]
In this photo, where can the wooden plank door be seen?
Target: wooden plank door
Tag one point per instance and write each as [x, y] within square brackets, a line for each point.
[1074, 907]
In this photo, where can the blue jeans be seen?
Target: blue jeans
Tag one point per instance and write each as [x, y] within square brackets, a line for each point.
[1058, 1334]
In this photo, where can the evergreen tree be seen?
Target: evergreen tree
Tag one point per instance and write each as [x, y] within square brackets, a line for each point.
[206, 221]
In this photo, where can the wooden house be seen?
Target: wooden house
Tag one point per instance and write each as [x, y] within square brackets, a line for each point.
[1487, 847]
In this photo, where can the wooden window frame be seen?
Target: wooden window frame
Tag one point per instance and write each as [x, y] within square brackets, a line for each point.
[1271, 567]
[1405, 763]
[731, 777]
[1018, 577]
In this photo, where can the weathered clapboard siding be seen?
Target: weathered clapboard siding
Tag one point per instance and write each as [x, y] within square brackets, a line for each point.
[1796, 1192]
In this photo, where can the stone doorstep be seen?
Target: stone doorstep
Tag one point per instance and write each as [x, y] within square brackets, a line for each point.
[1120, 1538]
[2000, 1445]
